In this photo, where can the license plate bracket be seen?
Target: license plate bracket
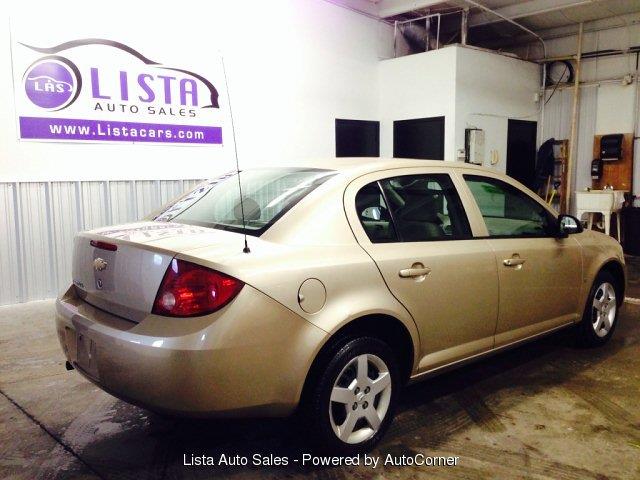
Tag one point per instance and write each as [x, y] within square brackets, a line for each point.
[86, 354]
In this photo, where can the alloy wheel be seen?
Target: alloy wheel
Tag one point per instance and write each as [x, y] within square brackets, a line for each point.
[604, 309]
[360, 398]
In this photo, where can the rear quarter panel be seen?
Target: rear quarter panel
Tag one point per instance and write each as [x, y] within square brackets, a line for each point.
[313, 241]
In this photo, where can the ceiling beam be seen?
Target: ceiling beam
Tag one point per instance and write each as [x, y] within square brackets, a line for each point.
[390, 8]
[619, 21]
[366, 7]
[524, 9]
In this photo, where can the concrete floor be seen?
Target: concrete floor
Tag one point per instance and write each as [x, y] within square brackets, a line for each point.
[545, 410]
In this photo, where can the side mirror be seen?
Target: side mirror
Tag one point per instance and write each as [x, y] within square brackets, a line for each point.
[567, 225]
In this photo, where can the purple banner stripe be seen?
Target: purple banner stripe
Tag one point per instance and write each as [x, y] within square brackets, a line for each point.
[103, 130]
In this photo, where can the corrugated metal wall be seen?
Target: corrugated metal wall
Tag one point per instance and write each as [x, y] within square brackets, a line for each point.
[38, 221]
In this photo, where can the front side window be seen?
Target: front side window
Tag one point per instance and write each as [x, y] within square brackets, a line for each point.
[414, 208]
[507, 211]
[267, 193]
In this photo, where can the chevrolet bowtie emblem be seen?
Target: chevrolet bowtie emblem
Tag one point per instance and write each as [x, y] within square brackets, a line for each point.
[99, 264]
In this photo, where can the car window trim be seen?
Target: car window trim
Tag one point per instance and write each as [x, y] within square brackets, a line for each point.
[505, 237]
[398, 235]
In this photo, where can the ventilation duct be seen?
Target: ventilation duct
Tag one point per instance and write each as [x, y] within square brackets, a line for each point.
[417, 37]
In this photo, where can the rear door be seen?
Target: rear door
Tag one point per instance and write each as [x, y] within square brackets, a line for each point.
[412, 222]
[540, 275]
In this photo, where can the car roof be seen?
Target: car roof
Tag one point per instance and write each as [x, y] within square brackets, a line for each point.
[351, 166]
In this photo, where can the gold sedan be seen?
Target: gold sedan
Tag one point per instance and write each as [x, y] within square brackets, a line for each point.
[327, 289]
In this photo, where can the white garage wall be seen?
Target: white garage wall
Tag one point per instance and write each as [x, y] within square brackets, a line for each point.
[472, 88]
[615, 108]
[293, 67]
[490, 90]
[418, 86]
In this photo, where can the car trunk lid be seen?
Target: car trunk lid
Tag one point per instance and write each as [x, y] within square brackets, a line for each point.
[119, 269]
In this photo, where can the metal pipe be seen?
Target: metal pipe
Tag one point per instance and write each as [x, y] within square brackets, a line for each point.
[543, 99]
[594, 54]
[532, 13]
[507, 19]
[564, 32]
[574, 122]
[395, 39]
[635, 113]
[592, 83]
[464, 27]
[427, 29]
[411, 20]
[338, 3]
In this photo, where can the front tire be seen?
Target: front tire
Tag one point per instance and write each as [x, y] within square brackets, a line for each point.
[352, 400]
[600, 314]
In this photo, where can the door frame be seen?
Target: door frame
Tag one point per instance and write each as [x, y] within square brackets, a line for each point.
[514, 121]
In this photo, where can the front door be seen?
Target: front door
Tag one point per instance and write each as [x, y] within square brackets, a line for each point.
[413, 224]
[540, 275]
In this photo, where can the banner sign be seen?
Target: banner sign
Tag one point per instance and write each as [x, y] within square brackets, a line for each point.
[94, 89]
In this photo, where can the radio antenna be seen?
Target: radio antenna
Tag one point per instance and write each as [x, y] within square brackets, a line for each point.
[235, 151]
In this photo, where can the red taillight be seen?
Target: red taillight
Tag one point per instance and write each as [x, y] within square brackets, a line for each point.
[103, 245]
[189, 290]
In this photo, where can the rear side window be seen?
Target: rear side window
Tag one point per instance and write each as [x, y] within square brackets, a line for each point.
[417, 208]
[508, 211]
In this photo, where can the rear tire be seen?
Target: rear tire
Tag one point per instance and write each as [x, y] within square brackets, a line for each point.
[352, 397]
[600, 315]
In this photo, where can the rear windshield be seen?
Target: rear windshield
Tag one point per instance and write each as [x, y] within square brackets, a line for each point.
[267, 194]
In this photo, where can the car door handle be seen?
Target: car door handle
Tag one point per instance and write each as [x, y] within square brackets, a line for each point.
[414, 272]
[513, 262]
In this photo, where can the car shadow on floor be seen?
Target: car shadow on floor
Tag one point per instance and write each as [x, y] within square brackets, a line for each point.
[428, 414]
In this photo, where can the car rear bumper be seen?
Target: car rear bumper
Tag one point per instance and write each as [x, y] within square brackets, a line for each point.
[248, 359]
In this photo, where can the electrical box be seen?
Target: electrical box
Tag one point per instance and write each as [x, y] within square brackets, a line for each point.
[474, 145]
[596, 169]
[611, 147]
